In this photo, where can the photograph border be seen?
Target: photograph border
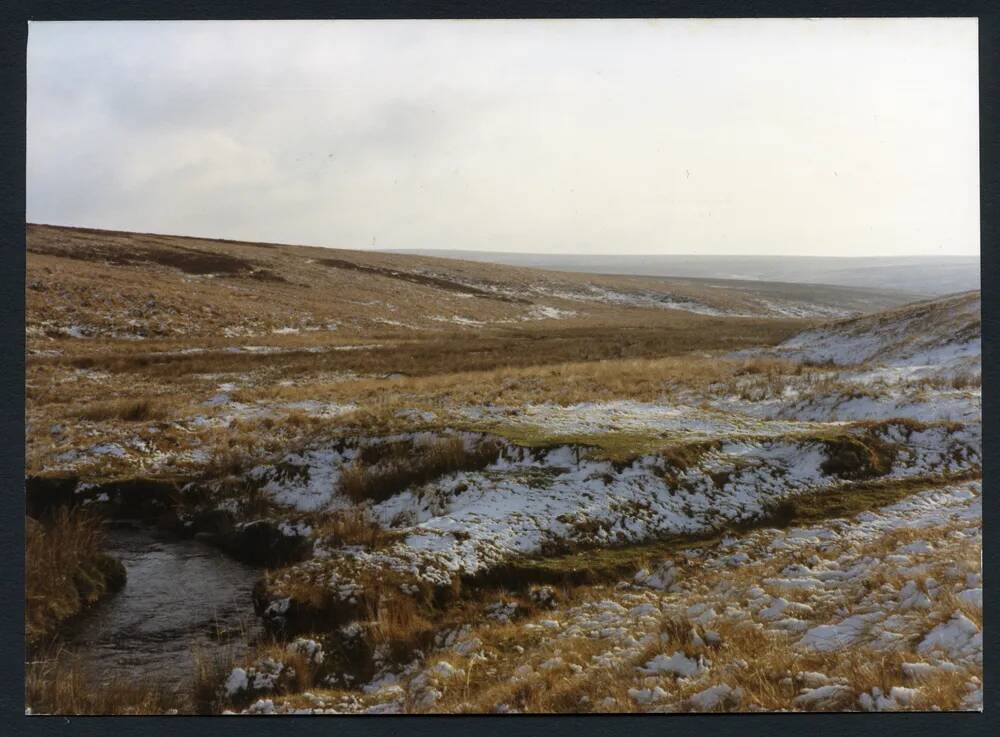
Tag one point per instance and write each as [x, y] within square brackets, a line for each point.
[15, 17]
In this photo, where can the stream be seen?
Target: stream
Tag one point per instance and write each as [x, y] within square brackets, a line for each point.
[184, 599]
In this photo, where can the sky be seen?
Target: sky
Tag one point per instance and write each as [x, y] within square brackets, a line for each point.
[783, 137]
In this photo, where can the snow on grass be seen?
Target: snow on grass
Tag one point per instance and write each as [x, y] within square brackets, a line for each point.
[605, 295]
[824, 697]
[677, 664]
[937, 334]
[959, 638]
[77, 331]
[627, 651]
[545, 312]
[458, 320]
[714, 697]
[800, 309]
[469, 522]
[627, 416]
[957, 406]
[304, 481]
[828, 637]
[228, 411]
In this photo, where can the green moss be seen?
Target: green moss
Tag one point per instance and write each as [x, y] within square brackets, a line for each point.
[847, 501]
[604, 564]
[853, 457]
[618, 447]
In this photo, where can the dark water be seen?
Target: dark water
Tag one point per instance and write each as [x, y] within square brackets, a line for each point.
[183, 599]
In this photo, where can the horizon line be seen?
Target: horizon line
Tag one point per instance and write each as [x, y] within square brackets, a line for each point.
[510, 253]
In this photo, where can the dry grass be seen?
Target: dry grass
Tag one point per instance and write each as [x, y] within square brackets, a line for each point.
[65, 570]
[126, 410]
[569, 382]
[402, 626]
[210, 674]
[59, 684]
[966, 381]
[405, 466]
[353, 527]
[298, 674]
[438, 354]
[131, 284]
[227, 462]
[762, 664]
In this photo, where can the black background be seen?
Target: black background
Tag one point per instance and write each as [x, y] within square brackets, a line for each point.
[13, 40]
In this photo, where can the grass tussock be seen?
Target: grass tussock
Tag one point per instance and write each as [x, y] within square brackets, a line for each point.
[852, 457]
[966, 381]
[228, 459]
[406, 466]
[209, 674]
[65, 570]
[125, 410]
[401, 626]
[353, 527]
[59, 684]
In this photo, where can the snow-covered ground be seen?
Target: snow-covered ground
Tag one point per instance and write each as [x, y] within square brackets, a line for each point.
[846, 405]
[626, 416]
[865, 614]
[940, 337]
[807, 591]
[595, 294]
[469, 522]
[890, 399]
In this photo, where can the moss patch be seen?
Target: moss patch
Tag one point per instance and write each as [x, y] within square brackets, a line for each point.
[598, 565]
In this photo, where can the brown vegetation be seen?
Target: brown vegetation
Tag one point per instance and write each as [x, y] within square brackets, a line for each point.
[57, 683]
[65, 570]
[405, 466]
[392, 350]
[353, 527]
[126, 410]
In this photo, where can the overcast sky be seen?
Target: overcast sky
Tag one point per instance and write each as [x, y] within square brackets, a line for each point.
[824, 137]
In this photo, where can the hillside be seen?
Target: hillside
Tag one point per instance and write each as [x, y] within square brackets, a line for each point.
[918, 275]
[86, 283]
[937, 334]
[482, 488]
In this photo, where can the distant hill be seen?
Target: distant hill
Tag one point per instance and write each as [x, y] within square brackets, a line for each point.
[88, 283]
[943, 334]
[925, 275]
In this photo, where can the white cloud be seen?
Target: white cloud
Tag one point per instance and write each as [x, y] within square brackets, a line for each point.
[836, 137]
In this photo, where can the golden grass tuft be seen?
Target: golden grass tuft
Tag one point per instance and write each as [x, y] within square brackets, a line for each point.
[353, 527]
[59, 684]
[65, 570]
[404, 467]
[206, 688]
[401, 626]
[126, 410]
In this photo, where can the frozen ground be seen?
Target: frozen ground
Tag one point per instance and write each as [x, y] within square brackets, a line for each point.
[874, 613]
[529, 501]
[662, 419]
[934, 337]
[878, 611]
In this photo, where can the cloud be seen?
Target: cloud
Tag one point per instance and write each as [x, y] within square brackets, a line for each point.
[823, 137]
